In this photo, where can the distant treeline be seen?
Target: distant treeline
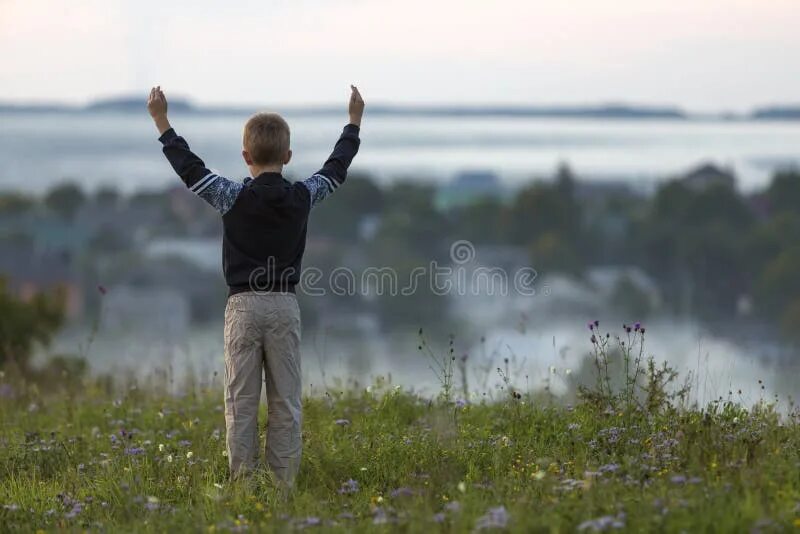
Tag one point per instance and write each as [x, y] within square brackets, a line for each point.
[599, 111]
[713, 252]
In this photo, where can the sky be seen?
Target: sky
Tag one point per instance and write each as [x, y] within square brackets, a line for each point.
[702, 55]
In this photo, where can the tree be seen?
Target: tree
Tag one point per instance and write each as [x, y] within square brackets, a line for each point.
[65, 199]
[24, 324]
[784, 192]
[13, 203]
[778, 285]
[340, 218]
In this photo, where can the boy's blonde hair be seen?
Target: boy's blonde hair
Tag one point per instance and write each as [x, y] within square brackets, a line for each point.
[266, 138]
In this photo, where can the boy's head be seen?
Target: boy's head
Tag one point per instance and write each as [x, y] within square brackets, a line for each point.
[265, 142]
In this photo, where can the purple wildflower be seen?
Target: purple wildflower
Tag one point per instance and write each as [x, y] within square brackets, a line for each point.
[310, 521]
[342, 422]
[496, 517]
[460, 403]
[348, 487]
[134, 451]
[603, 523]
[402, 492]
[609, 468]
[380, 517]
[678, 479]
[453, 506]
[184, 443]
[439, 517]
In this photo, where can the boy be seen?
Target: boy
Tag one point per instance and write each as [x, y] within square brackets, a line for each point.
[264, 222]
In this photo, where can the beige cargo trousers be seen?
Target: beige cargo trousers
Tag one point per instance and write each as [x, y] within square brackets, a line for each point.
[262, 339]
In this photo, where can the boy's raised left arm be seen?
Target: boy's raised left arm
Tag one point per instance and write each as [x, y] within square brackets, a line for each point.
[217, 190]
[333, 173]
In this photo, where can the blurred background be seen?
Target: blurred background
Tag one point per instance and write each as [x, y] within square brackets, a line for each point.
[642, 157]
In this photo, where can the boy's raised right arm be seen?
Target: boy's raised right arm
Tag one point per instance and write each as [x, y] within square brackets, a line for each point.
[217, 190]
[333, 173]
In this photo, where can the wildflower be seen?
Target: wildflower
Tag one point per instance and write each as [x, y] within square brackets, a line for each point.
[402, 492]
[678, 479]
[453, 507]
[637, 326]
[161, 447]
[169, 458]
[342, 422]
[609, 468]
[568, 372]
[184, 443]
[310, 521]
[462, 487]
[603, 523]
[496, 517]
[348, 487]
[461, 403]
[152, 503]
[439, 517]
[134, 451]
[189, 455]
[379, 516]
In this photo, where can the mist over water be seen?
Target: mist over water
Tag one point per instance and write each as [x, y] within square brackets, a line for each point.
[121, 149]
[544, 351]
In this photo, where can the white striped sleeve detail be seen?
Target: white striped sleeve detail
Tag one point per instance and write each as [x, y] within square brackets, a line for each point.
[203, 183]
[331, 183]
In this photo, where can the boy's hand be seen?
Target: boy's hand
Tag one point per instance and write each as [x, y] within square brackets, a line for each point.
[157, 107]
[356, 107]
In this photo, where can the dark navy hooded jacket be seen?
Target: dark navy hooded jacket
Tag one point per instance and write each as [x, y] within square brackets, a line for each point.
[264, 218]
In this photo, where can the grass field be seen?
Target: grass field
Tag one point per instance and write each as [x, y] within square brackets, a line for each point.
[106, 458]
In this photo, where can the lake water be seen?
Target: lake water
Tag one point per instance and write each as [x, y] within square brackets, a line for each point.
[40, 149]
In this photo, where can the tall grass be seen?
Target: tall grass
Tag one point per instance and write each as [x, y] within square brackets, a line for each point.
[630, 453]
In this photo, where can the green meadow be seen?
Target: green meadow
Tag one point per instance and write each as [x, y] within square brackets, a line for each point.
[628, 452]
